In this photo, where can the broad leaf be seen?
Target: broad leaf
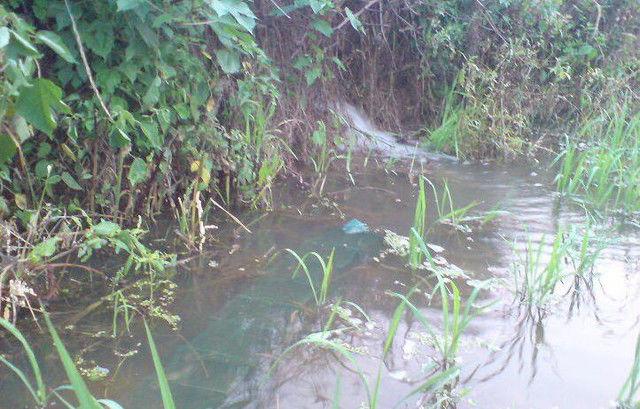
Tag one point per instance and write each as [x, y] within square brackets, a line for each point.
[25, 44]
[323, 27]
[106, 228]
[238, 9]
[138, 171]
[70, 181]
[150, 131]
[229, 61]
[353, 19]
[7, 149]
[312, 75]
[44, 249]
[152, 96]
[38, 102]
[53, 41]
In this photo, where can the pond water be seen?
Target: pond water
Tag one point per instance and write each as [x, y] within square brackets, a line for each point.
[241, 309]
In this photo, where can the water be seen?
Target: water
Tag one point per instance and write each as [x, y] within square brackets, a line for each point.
[574, 353]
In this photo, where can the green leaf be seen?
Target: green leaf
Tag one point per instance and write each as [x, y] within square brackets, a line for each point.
[152, 95]
[99, 38]
[119, 139]
[4, 37]
[165, 391]
[124, 5]
[238, 9]
[106, 228]
[53, 41]
[138, 171]
[7, 149]
[38, 102]
[24, 44]
[44, 249]
[82, 392]
[353, 19]
[312, 75]
[229, 61]
[150, 131]
[70, 181]
[323, 27]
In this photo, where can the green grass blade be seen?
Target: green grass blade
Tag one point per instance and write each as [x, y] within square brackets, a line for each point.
[165, 391]
[80, 388]
[40, 392]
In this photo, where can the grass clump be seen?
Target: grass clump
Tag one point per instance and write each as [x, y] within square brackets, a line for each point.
[541, 267]
[326, 266]
[602, 169]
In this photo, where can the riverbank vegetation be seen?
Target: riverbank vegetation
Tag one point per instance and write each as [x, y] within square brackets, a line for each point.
[118, 113]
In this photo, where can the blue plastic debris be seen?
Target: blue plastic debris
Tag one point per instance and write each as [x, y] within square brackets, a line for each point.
[355, 226]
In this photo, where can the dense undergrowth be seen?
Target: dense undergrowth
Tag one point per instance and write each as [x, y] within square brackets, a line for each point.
[115, 110]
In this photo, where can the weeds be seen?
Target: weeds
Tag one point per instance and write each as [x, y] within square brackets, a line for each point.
[419, 221]
[541, 267]
[628, 396]
[84, 396]
[603, 171]
[319, 295]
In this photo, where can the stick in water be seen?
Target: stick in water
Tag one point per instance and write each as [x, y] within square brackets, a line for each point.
[235, 219]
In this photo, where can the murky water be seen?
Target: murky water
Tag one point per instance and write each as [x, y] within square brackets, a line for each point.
[239, 312]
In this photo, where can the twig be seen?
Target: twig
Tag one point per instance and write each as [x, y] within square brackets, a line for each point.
[85, 62]
[235, 219]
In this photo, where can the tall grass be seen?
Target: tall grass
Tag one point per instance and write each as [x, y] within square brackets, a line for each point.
[320, 293]
[446, 209]
[541, 267]
[603, 170]
[536, 277]
[419, 222]
[446, 136]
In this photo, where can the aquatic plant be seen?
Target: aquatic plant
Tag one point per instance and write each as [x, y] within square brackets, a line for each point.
[602, 168]
[326, 339]
[84, 396]
[319, 294]
[447, 211]
[535, 275]
[539, 268]
[628, 396]
[419, 221]
[165, 390]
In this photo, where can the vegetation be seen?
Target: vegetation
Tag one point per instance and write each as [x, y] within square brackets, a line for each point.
[116, 113]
